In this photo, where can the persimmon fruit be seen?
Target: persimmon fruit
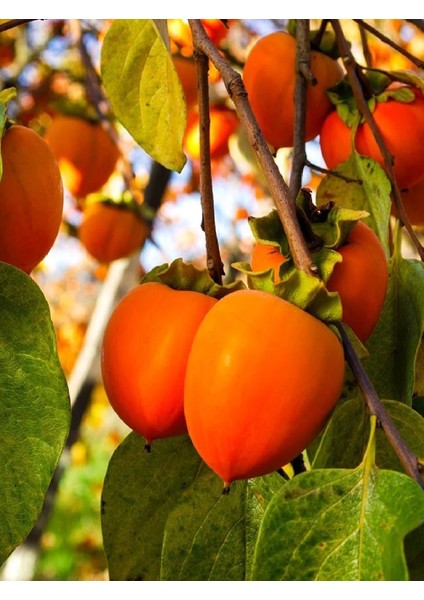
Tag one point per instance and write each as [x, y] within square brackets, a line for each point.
[269, 79]
[144, 356]
[186, 70]
[31, 198]
[223, 123]
[413, 203]
[360, 279]
[110, 232]
[262, 378]
[402, 127]
[85, 152]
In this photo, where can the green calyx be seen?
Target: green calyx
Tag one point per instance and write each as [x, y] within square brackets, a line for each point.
[329, 228]
[5, 97]
[179, 275]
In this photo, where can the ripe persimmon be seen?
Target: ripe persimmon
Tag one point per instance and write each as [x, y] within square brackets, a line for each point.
[413, 203]
[110, 231]
[397, 121]
[186, 70]
[31, 198]
[85, 152]
[223, 122]
[269, 78]
[144, 355]
[262, 379]
[360, 279]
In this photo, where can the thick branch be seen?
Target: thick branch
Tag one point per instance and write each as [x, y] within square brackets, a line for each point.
[278, 188]
[376, 407]
[213, 257]
[351, 68]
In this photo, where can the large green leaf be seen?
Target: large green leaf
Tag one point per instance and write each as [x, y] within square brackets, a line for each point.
[140, 490]
[395, 342]
[211, 536]
[367, 188]
[339, 525]
[344, 440]
[34, 405]
[144, 89]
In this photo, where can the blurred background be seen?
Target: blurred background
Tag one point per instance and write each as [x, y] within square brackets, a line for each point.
[54, 66]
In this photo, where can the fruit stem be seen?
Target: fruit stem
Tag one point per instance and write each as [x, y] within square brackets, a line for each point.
[375, 406]
[213, 258]
[278, 188]
[226, 489]
[352, 73]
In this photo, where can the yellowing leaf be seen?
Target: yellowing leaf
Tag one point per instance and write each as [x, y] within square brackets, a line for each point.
[144, 89]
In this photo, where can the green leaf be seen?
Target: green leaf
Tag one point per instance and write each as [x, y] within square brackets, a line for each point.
[144, 89]
[34, 405]
[368, 190]
[184, 276]
[340, 525]
[414, 550]
[394, 345]
[210, 536]
[140, 490]
[344, 440]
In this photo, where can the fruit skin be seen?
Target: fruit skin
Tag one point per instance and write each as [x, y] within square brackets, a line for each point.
[413, 203]
[108, 232]
[144, 355]
[186, 70]
[223, 122]
[269, 79]
[398, 122]
[360, 279]
[31, 198]
[86, 154]
[262, 378]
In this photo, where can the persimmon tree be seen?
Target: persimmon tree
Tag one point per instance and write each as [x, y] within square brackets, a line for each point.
[302, 451]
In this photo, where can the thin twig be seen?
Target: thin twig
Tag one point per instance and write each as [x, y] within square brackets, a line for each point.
[303, 64]
[15, 23]
[213, 258]
[419, 63]
[365, 46]
[419, 23]
[278, 188]
[376, 407]
[351, 69]
[332, 173]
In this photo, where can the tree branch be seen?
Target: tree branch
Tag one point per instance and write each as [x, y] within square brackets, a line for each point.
[419, 63]
[351, 68]
[15, 23]
[213, 258]
[303, 74]
[376, 407]
[277, 186]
